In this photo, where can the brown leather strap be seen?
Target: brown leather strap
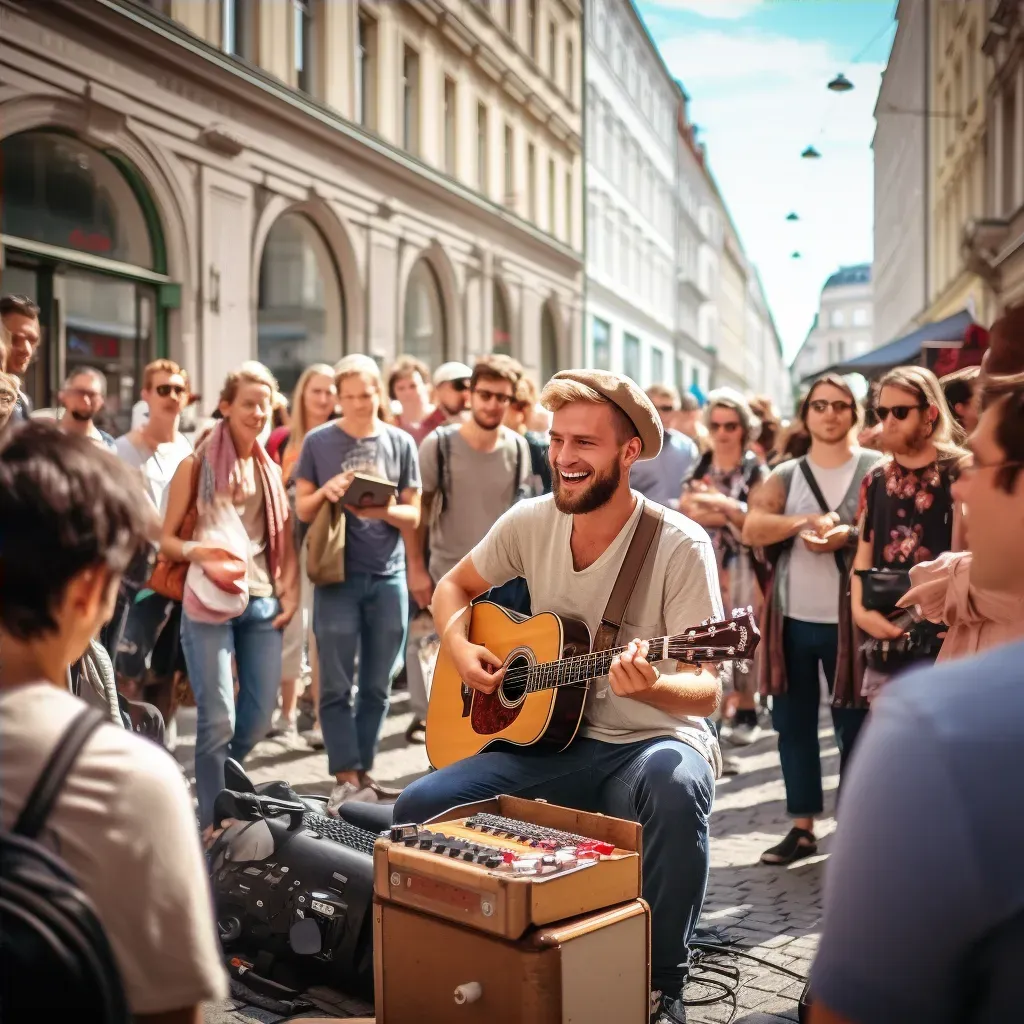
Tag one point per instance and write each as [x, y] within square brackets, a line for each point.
[629, 572]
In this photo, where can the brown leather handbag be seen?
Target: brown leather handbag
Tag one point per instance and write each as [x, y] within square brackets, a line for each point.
[168, 577]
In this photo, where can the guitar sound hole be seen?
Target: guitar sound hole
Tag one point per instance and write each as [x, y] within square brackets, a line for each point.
[513, 686]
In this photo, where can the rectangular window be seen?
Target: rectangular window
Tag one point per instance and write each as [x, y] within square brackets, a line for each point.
[510, 17]
[568, 206]
[482, 176]
[450, 114]
[552, 50]
[860, 317]
[552, 226]
[238, 28]
[531, 28]
[410, 100]
[531, 182]
[302, 42]
[366, 72]
[658, 366]
[602, 355]
[631, 356]
[509, 180]
[570, 70]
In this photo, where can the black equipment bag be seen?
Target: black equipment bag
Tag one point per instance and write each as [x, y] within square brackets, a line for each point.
[54, 951]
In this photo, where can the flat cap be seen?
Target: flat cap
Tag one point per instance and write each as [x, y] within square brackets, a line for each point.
[627, 395]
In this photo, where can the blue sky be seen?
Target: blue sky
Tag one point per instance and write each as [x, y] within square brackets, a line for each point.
[756, 73]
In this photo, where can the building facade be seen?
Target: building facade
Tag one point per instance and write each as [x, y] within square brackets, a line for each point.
[957, 84]
[900, 268]
[292, 180]
[731, 368]
[631, 230]
[842, 327]
[766, 368]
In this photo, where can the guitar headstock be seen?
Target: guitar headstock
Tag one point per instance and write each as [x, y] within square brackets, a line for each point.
[732, 639]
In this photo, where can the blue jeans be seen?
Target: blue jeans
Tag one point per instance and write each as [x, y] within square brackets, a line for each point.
[664, 784]
[795, 713]
[225, 729]
[370, 614]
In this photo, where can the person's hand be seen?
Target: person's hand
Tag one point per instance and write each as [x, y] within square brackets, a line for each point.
[289, 602]
[877, 625]
[211, 833]
[820, 524]
[477, 666]
[631, 673]
[421, 586]
[834, 540]
[335, 488]
[373, 511]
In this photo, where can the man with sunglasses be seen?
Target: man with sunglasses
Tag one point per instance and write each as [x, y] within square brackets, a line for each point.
[804, 514]
[661, 478]
[156, 449]
[472, 474]
[451, 391]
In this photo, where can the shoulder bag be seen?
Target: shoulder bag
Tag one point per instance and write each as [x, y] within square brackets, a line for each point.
[168, 576]
[325, 546]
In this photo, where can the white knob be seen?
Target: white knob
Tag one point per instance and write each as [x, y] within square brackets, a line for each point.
[468, 993]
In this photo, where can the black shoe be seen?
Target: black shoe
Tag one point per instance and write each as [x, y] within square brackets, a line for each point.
[417, 731]
[798, 843]
[667, 1008]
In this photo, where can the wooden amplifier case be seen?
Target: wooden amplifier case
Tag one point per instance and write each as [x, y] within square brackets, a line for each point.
[501, 904]
[592, 969]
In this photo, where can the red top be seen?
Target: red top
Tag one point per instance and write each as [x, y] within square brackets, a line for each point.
[274, 442]
[420, 430]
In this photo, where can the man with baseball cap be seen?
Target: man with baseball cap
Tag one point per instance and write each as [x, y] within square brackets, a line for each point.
[645, 751]
[451, 389]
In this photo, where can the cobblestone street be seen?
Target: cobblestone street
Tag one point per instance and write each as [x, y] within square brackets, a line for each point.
[774, 910]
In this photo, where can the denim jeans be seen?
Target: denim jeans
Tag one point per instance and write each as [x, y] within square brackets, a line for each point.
[224, 728]
[664, 784]
[795, 713]
[370, 614]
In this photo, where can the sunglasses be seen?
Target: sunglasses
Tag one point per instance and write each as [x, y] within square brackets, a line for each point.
[459, 385]
[491, 396]
[821, 405]
[729, 428]
[166, 390]
[898, 412]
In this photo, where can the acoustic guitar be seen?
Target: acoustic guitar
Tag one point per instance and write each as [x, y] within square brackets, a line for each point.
[548, 667]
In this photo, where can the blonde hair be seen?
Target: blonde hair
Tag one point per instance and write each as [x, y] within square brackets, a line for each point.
[299, 426]
[561, 391]
[947, 435]
[360, 365]
[665, 391]
[729, 398]
[250, 372]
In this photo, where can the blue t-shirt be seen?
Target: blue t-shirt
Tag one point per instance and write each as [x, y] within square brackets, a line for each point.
[924, 893]
[371, 545]
[661, 478]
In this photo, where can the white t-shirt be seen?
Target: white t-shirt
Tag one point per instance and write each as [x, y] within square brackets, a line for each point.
[125, 827]
[680, 591]
[157, 467]
[813, 577]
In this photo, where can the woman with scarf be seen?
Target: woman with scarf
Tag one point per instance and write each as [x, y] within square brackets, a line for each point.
[232, 475]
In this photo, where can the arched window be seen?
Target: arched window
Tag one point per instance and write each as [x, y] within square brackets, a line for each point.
[300, 314]
[425, 335]
[548, 345]
[502, 343]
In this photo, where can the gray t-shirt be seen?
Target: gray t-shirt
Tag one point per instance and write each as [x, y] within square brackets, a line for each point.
[679, 589]
[157, 467]
[479, 487]
[924, 893]
[661, 478]
[371, 545]
[813, 577]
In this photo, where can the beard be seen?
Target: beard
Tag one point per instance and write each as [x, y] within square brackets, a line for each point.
[599, 493]
[487, 424]
[82, 417]
[908, 444]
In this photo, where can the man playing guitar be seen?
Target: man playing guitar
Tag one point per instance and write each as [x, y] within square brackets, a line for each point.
[645, 751]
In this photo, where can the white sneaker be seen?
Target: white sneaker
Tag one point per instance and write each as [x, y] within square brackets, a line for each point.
[286, 725]
[345, 792]
[744, 734]
[314, 737]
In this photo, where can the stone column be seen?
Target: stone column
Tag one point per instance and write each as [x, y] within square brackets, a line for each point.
[998, 203]
[1018, 139]
[383, 302]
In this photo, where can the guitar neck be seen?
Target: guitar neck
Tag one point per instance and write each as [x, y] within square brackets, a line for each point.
[584, 667]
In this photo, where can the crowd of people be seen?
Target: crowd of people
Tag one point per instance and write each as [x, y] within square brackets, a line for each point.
[845, 530]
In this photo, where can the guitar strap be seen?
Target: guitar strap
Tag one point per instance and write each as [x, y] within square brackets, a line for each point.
[646, 530]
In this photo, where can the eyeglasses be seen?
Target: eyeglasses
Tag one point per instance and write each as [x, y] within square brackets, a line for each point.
[821, 405]
[84, 393]
[166, 390]
[729, 428]
[491, 396]
[665, 409]
[899, 412]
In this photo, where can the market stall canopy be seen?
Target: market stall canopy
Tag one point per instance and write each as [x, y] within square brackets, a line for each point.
[906, 350]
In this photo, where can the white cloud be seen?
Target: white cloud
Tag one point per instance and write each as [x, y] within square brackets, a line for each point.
[718, 10]
[758, 101]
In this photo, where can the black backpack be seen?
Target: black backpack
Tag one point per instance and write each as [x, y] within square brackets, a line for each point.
[54, 951]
